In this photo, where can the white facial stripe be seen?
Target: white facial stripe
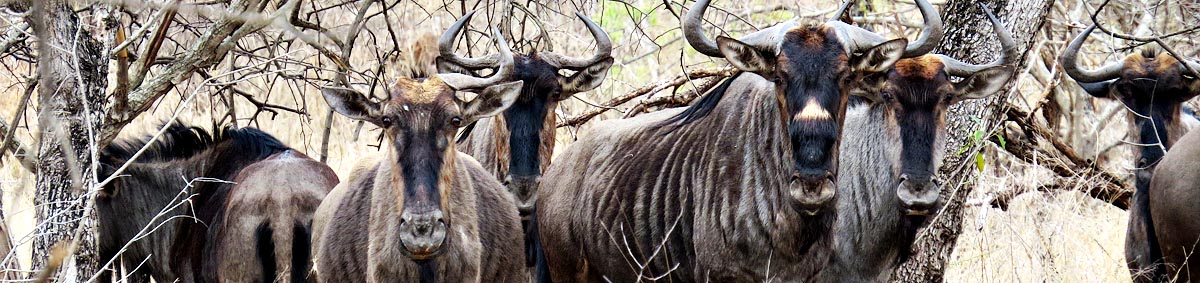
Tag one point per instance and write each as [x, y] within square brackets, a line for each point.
[813, 111]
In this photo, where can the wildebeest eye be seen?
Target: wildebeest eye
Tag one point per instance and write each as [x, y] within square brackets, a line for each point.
[456, 121]
[386, 121]
[887, 95]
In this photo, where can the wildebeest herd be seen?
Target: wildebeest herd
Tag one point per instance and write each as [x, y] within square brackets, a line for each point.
[815, 163]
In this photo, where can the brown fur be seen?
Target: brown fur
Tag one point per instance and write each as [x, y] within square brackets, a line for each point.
[924, 67]
[1156, 87]
[1173, 196]
[484, 227]
[281, 192]
[223, 241]
[360, 226]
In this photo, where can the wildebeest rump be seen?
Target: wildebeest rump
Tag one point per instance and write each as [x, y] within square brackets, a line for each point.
[517, 145]
[735, 188]
[194, 250]
[1153, 85]
[1173, 195]
[891, 149]
[423, 211]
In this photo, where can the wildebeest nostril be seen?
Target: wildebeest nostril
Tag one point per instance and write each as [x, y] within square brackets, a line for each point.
[903, 177]
[507, 180]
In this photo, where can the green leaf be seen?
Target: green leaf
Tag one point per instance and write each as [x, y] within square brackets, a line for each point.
[1000, 138]
[979, 161]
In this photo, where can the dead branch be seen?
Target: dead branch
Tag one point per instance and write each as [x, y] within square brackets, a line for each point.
[680, 100]
[211, 47]
[15, 35]
[646, 90]
[1060, 159]
[19, 151]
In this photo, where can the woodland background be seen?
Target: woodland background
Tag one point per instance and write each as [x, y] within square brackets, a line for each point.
[1037, 178]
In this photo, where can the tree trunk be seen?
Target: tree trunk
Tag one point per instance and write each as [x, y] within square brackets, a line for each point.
[71, 96]
[968, 37]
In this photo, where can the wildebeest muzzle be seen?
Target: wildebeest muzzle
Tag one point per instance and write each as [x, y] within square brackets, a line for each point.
[422, 233]
[812, 192]
[523, 189]
[918, 194]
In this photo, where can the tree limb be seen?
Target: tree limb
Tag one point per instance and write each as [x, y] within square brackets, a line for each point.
[646, 90]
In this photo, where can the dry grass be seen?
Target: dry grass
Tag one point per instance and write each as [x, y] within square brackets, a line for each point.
[1054, 237]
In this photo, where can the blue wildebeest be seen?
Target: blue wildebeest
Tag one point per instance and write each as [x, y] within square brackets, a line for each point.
[1152, 85]
[255, 229]
[891, 149]
[1173, 195]
[517, 145]
[735, 188]
[423, 211]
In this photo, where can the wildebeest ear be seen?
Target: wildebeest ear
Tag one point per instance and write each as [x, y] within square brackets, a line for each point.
[350, 103]
[491, 101]
[983, 83]
[587, 79]
[879, 58]
[104, 171]
[1097, 89]
[746, 57]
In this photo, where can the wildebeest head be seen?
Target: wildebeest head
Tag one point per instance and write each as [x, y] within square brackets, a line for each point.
[1152, 84]
[419, 120]
[811, 67]
[527, 141]
[914, 96]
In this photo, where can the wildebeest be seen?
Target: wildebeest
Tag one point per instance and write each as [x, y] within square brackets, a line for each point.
[423, 211]
[1152, 85]
[255, 229]
[891, 149]
[516, 146]
[736, 187]
[1173, 195]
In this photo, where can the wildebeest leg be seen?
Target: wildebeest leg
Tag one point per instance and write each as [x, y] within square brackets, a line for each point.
[561, 254]
[533, 250]
[1141, 245]
[301, 253]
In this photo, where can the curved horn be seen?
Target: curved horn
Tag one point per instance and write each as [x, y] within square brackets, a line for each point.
[1195, 66]
[504, 68]
[603, 48]
[837, 15]
[693, 31]
[766, 39]
[446, 47]
[860, 39]
[1009, 55]
[1071, 65]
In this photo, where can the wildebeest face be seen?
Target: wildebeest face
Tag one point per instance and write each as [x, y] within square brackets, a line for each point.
[419, 121]
[1153, 85]
[810, 71]
[914, 96]
[529, 124]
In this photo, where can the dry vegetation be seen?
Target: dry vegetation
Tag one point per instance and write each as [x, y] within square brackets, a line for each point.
[1046, 237]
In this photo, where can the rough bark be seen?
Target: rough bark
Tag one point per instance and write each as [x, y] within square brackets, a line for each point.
[73, 70]
[968, 38]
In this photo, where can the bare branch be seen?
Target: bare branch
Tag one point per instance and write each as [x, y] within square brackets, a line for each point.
[19, 151]
[646, 90]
